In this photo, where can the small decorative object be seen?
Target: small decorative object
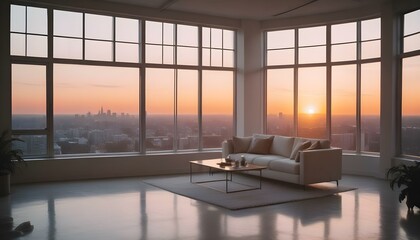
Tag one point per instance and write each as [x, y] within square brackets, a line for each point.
[8, 160]
[228, 159]
[236, 163]
[243, 161]
[224, 164]
[409, 176]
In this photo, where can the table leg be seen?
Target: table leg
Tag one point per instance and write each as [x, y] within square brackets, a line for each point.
[226, 180]
[190, 172]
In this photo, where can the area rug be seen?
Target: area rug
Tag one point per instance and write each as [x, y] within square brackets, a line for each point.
[272, 192]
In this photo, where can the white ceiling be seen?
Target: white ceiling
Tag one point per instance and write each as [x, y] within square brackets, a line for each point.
[254, 9]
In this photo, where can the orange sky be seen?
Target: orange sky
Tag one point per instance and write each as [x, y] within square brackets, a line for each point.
[79, 89]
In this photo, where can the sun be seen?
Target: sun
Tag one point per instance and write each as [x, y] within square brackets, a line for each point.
[310, 110]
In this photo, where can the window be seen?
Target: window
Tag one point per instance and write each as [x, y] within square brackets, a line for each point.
[411, 33]
[160, 109]
[89, 96]
[28, 31]
[84, 36]
[217, 107]
[371, 38]
[160, 42]
[312, 45]
[370, 106]
[410, 132]
[410, 111]
[343, 106]
[29, 80]
[343, 42]
[29, 114]
[280, 47]
[96, 109]
[335, 96]
[187, 109]
[312, 102]
[218, 47]
[280, 113]
[187, 45]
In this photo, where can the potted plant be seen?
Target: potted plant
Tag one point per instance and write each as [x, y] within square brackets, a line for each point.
[8, 159]
[408, 176]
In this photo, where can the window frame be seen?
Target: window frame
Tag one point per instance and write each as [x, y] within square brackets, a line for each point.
[142, 65]
[328, 64]
[400, 58]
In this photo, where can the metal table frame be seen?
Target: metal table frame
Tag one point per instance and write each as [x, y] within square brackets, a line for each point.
[228, 176]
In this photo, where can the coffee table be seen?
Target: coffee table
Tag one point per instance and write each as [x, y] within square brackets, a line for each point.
[228, 170]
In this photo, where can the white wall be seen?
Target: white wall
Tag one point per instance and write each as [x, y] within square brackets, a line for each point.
[107, 167]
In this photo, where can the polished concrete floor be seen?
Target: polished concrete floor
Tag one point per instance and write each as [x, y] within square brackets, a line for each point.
[128, 209]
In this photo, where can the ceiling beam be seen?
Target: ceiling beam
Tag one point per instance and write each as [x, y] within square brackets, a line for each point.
[167, 4]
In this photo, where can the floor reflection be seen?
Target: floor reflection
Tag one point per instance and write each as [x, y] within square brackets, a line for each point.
[411, 224]
[129, 209]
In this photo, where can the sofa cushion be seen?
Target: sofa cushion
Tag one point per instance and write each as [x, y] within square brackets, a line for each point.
[299, 146]
[249, 157]
[264, 160]
[325, 143]
[284, 165]
[241, 144]
[315, 145]
[260, 145]
[282, 146]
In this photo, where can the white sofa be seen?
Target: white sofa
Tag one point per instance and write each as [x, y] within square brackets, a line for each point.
[291, 159]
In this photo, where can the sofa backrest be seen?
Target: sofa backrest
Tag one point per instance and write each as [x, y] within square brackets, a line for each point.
[325, 143]
[281, 145]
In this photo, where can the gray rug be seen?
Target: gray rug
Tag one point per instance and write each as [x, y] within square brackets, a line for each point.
[272, 192]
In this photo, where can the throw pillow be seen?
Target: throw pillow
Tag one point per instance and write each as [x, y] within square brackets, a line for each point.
[304, 146]
[241, 144]
[314, 145]
[299, 147]
[260, 145]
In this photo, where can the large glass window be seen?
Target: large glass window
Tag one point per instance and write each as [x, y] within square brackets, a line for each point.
[96, 109]
[160, 109]
[343, 42]
[343, 106]
[95, 37]
[187, 109]
[29, 113]
[410, 110]
[160, 43]
[371, 38]
[312, 45]
[217, 107]
[312, 102]
[28, 31]
[343, 87]
[280, 100]
[89, 98]
[410, 122]
[370, 106]
[280, 47]
[218, 47]
[411, 33]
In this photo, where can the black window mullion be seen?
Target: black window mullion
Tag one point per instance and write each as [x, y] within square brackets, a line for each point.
[83, 36]
[358, 88]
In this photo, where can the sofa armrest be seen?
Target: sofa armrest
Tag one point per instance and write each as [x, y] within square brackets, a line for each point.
[320, 165]
[227, 148]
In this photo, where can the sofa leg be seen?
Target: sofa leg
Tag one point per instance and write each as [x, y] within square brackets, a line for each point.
[336, 182]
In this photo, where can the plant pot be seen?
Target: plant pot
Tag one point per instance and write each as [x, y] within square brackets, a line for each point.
[4, 183]
[413, 199]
